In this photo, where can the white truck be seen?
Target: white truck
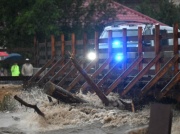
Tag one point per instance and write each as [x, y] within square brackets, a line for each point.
[132, 30]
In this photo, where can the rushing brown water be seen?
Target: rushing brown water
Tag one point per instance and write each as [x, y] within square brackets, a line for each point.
[90, 118]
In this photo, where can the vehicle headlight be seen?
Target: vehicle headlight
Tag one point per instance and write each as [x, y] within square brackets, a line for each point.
[91, 56]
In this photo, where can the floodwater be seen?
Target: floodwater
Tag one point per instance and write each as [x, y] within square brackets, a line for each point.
[90, 118]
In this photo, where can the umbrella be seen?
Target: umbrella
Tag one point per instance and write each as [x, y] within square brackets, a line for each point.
[3, 54]
[15, 57]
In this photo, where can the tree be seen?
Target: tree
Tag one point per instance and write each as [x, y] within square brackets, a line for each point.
[164, 11]
[20, 20]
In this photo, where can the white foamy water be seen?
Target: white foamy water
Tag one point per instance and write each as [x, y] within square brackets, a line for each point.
[67, 116]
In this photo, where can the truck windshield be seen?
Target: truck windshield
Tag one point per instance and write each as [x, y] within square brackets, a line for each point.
[118, 33]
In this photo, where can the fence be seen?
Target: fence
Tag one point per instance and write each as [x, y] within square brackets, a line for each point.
[150, 67]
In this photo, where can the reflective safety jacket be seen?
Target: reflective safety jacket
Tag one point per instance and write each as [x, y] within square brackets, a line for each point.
[15, 70]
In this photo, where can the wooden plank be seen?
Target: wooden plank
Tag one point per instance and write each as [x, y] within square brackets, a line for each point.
[169, 85]
[46, 51]
[123, 75]
[98, 71]
[71, 73]
[144, 37]
[18, 49]
[40, 71]
[140, 66]
[157, 46]
[52, 46]
[175, 42]
[51, 70]
[80, 42]
[62, 45]
[160, 119]
[73, 83]
[109, 43]
[140, 75]
[91, 83]
[124, 64]
[73, 41]
[159, 74]
[61, 71]
[84, 47]
[35, 51]
[107, 75]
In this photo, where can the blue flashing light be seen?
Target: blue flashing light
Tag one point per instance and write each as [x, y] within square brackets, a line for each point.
[116, 44]
[119, 57]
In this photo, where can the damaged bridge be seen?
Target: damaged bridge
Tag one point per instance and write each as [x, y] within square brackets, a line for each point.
[154, 71]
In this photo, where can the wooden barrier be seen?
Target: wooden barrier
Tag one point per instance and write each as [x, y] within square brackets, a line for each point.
[132, 70]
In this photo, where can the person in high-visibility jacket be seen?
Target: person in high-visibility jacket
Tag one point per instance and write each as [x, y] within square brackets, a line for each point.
[15, 70]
